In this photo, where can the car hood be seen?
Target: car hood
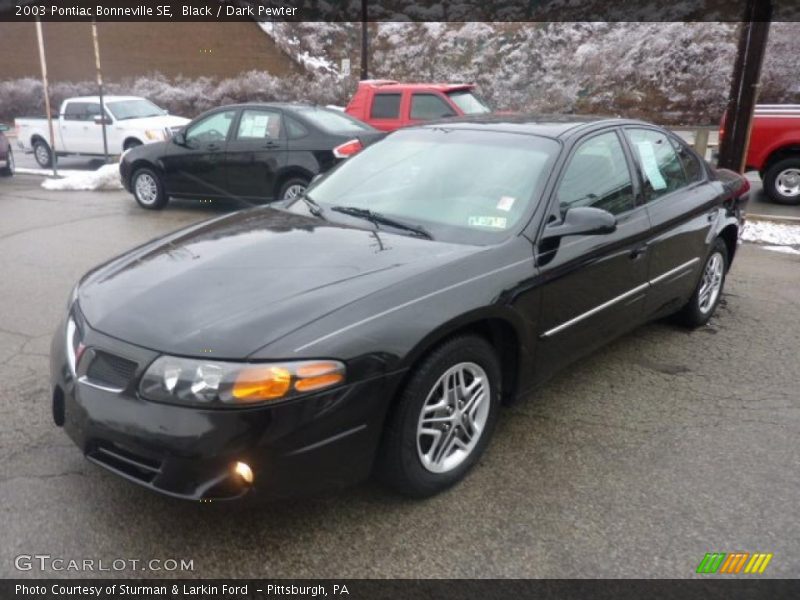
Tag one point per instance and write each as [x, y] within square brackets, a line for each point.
[227, 287]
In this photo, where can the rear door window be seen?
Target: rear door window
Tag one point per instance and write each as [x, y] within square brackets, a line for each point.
[76, 111]
[661, 168]
[259, 125]
[385, 106]
[691, 164]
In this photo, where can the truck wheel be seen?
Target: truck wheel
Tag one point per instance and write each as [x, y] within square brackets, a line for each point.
[148, 189]
[42, 154]
[8, 171]
[782, 181]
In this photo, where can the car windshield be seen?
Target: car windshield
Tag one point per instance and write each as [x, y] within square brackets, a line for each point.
[469, 103]
[333, 121]
[134, 109]
[459, 185]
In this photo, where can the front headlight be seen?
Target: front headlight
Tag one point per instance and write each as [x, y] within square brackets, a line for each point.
[154, 134]
[220, 383]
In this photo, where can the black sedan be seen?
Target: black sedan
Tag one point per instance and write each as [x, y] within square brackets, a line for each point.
[380, 321]
[6, 153]
[255, 153]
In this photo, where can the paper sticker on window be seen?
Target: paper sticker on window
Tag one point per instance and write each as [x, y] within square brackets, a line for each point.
[493, 222]
[647, 155]
[505, 203]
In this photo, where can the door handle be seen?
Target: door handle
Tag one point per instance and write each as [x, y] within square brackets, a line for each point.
[272, 145]
[711, 216]
[638, 251]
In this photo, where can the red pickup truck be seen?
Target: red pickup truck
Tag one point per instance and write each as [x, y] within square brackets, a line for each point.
[774, 150]
[388, 105]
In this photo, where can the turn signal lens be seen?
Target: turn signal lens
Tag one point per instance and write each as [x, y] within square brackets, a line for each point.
[315, 376]
[244, 471]
[255, 384]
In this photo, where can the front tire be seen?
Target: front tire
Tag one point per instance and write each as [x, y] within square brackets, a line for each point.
[42, 154]
[707, 294]
[148, 189]
[444, 418]
[782, 181]
[10, 167]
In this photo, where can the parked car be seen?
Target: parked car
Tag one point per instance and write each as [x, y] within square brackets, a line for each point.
[6, 153]
[382, 318]
[253, 152]
[774, 150]
[388, 105]
[130, 121]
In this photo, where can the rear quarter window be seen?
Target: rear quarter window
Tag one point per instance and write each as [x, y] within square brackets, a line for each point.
[385, 106]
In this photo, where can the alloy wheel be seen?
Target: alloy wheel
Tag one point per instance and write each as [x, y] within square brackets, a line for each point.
[146, 189]
[453, 417]
[788, 182]
[711, 284]
[293, 191]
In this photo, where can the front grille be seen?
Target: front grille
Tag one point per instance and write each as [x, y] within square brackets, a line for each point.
[111, 370]
[125, 462]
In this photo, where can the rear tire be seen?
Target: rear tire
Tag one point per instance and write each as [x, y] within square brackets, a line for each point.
[148, 190]
[42, 154]
[782, 181]
[292, 189]
[707, 294]
[10, 167]
[443, 420]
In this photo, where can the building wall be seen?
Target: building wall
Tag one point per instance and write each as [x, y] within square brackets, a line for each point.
[129, 49]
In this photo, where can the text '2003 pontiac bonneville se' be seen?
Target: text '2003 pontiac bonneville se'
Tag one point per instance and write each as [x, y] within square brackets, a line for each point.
[378, 323]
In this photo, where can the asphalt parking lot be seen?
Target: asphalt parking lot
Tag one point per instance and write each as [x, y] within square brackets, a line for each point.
[664, 446]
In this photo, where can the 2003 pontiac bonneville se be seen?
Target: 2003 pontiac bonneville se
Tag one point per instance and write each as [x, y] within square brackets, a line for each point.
[381, 320]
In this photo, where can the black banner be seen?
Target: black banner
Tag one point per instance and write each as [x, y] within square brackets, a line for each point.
[387, 10]
[372, 589]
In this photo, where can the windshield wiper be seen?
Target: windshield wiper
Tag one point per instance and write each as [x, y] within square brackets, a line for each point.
[314, 208]
[379, 219]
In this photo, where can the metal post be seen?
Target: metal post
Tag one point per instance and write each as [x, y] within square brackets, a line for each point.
[364, 41]
[100, 88]
[745, 84]
[53, 157]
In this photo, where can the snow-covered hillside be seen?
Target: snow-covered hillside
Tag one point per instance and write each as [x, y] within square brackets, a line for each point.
[669, 72]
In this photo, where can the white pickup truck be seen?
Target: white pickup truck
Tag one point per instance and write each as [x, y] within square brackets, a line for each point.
[130, 121]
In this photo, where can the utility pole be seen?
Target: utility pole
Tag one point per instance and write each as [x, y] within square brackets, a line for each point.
[744, 85]
[100, 88]
[43, 62]
[364, 41]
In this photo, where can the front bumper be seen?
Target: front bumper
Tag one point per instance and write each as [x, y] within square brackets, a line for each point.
[295, 447]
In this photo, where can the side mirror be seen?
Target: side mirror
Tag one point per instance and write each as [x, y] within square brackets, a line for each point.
[100, 120]
[582, 220]
[179, 138]
[316, 178]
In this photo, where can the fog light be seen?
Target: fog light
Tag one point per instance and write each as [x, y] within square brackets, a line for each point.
[244, 471]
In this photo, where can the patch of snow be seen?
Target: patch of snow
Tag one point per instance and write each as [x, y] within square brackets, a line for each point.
[104, 178]
[783, 249]
[776, 234]
[48, 172]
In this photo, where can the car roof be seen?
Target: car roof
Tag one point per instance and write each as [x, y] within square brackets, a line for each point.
[547, 125]
[105, 98]
[389, 85]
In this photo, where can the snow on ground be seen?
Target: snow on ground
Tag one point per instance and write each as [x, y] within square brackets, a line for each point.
[782, 249]
[779, 237]
[104, 178]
